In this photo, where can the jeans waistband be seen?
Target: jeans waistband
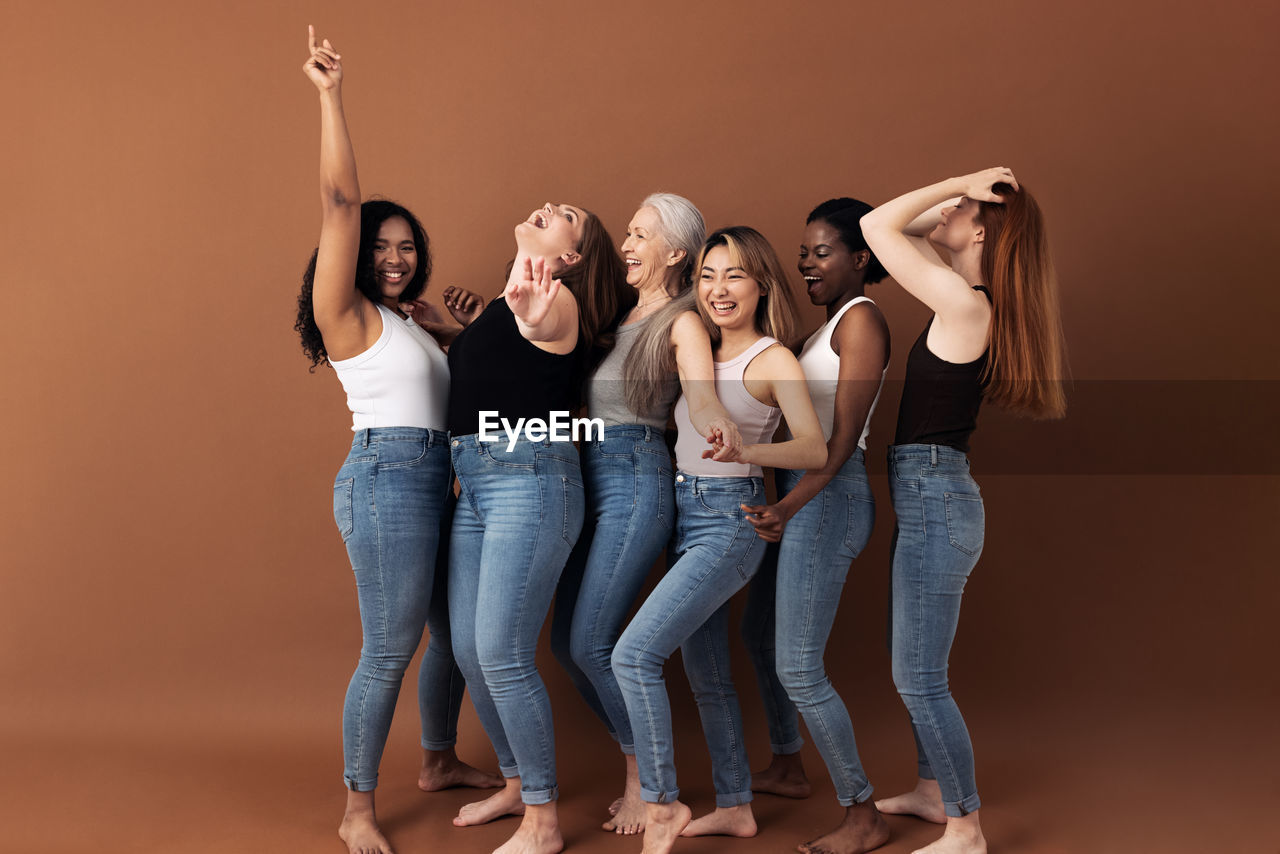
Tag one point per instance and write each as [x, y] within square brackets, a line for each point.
[931, 454]
[702, 483]
[632, 431]
[365, 436]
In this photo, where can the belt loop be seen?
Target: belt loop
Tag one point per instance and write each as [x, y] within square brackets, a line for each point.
[364, 438]
[648, 434]
[933, 455]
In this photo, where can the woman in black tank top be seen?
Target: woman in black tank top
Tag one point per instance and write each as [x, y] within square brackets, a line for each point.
[520, 504]
[995, 333]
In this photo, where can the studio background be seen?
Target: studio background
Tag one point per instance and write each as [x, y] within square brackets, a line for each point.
[178, 620]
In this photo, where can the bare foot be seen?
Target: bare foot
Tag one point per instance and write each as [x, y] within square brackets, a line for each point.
[725, 821]
[962, 836]
[539, 833]
[924, 801]
[359, 828]
[628, 811]
[505, 802]
[785, 776]
[863, 829]
[663, 823]
[442, 769]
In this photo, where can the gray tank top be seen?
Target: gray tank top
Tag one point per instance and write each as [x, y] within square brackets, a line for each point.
[606, 388]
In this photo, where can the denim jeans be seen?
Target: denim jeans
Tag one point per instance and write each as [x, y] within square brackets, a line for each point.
[936, 545]
[791, 608]
[630, 515]
[388, 499]
[519, 514]
[716, 553]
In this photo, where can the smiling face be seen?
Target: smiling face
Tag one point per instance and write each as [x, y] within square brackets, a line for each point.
[726, 294]
[648, 257]
[395, 256]
[960, 227]
[832, 273]
[554, 232]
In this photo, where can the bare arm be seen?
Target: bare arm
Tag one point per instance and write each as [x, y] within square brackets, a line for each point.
[777, 370]
[339, 308]
[934, 284]
[545, 311]
[861, 339]
[696, 368]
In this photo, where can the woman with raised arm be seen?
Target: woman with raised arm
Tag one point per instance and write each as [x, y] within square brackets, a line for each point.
[823, 518]
[518, 367]
[660, 346]
[995, 334]
[372, 259]
[742, 291]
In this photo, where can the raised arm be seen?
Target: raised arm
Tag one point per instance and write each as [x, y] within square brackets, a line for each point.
[777, 373]
[339, 308]
[545, 311]
[696, 369]
[886, 230]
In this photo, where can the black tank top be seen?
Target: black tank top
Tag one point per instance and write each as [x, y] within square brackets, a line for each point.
[940, 400]
[493, 367]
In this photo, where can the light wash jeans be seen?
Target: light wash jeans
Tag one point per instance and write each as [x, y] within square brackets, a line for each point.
[791, 607]
[936, 545]
[630, 516]
[388, 501]
[716, 553]
[519, 514]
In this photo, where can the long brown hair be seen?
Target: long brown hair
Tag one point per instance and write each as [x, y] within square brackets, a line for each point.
[1027, 358]
[598, 281]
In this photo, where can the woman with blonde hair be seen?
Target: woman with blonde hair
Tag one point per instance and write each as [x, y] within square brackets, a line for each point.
[660, 346]
[743, 295]
[995, 334]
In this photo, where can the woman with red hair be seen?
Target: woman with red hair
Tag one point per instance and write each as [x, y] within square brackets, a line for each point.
[995, 334]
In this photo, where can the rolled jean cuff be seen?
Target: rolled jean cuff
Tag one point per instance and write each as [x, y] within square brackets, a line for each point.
[360, 785]
[509, 771]
[925, 772]
[649, 796]
[963, 807]
[736, 799]
[439, 745]
[539, 796]
[790, 747]
[860, 798]
[627, 749]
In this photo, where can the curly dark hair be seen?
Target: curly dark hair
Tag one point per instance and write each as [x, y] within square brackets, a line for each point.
[372, 214]
[843, 215]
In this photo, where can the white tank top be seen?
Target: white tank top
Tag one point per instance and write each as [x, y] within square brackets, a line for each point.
[821, 368]
[401, 381]
[756, 421]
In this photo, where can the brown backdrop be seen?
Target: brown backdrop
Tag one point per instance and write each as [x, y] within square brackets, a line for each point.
[178, 619]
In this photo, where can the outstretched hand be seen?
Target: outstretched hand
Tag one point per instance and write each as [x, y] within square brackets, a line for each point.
[464, 305]
[979, 186]
[324, 65]
[531, 292]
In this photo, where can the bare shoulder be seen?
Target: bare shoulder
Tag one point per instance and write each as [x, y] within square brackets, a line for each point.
[688, 328]
[775, 362]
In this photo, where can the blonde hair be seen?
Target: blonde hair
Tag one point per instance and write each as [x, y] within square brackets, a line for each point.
[776, 311]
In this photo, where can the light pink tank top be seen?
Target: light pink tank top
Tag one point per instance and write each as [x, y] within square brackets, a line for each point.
[755, 421]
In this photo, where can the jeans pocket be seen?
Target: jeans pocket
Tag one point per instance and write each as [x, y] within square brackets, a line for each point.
[859, 522]
[966, 521]
[401, 453]
[342, 512]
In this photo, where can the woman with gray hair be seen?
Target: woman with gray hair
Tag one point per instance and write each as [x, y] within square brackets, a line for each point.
[660, 345]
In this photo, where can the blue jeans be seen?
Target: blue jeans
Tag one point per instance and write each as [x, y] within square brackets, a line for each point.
[716, 553]
[936, 545]
[519, 514]
[630, 515]
[791, 608]
[388, 500]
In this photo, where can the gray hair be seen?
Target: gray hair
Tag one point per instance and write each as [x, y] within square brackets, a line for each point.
[682, 228]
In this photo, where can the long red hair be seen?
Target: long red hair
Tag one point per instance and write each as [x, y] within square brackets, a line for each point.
[1027, 361]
